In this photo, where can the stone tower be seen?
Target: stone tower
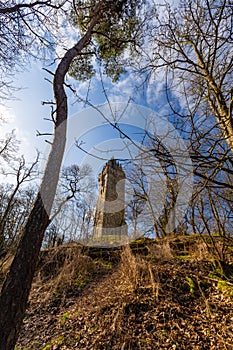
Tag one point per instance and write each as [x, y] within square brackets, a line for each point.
[109, 222]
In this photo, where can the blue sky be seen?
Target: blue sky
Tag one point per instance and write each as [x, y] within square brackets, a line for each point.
[26, 113]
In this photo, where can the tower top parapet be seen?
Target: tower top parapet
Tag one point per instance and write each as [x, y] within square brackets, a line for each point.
[112, 164]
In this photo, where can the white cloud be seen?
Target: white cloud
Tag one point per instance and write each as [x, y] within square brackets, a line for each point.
[7, 114]
[7, 120]
[9, 123]
[68, 35]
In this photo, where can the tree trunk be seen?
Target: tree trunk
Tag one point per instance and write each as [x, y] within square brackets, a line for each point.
[16, 288]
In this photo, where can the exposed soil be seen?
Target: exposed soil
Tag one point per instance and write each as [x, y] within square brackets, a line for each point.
[154, 298]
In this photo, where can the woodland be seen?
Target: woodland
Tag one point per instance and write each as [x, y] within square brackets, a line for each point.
[171, 287]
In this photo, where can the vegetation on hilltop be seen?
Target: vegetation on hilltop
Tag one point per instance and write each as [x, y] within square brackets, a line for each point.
[168, 295]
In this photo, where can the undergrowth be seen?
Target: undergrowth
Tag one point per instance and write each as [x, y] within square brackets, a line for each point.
[146, 298]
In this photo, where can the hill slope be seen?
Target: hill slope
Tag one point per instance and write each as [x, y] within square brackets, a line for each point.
[153, 297]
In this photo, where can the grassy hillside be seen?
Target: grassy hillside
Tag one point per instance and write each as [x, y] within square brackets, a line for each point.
[152, 295]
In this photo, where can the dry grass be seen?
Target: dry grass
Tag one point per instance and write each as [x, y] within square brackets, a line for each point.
[137, 272]
[63, 273]
[143, 302]
[161, 251]
[200, 251]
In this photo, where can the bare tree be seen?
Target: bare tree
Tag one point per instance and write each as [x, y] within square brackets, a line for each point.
[17, 214]
[133, 211]
[70, 217]
[27, 30]
[9, 147]
[16, 288]
[22, 173]
[192, 45]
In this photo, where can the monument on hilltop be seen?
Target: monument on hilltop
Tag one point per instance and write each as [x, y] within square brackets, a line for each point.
[109, 221]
